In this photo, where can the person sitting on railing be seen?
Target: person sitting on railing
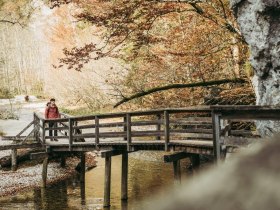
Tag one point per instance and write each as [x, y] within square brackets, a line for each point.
[52, 112]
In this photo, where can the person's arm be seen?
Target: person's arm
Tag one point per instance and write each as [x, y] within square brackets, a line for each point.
[46, 112]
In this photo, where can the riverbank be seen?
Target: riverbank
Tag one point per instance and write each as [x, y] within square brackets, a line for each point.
[29, 177]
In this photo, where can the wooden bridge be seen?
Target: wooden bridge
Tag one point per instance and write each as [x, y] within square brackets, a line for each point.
[186, 132]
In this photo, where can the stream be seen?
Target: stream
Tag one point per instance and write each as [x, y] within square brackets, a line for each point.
[148, 176]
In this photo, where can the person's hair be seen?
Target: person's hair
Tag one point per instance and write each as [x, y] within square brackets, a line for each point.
[48, 104]
[52, 99]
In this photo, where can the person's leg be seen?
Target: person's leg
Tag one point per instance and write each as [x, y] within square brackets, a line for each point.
[51, 124]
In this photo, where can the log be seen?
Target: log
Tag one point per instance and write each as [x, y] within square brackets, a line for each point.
[21, 157]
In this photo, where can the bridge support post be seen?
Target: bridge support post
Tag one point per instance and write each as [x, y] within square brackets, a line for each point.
[62, 161]
[83, 167]
[177, 171]
[107, 181]
[45, 172]
[14, 159]
[195, 160]
[124, 176]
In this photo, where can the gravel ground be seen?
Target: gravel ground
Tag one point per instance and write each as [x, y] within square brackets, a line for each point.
[30, 177]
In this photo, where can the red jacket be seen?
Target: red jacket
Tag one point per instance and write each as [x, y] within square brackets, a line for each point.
[52, 112]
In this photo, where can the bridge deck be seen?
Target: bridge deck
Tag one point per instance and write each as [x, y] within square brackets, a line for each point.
[191, 146]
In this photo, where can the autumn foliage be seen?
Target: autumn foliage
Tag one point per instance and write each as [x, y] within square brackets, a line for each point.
[163, 43]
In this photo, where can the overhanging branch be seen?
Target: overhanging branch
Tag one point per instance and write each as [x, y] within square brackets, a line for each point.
[175, 86]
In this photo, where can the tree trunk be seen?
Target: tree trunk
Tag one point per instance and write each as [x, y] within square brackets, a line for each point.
[259, 22]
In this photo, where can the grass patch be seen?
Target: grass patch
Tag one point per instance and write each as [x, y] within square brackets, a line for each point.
[2, 133]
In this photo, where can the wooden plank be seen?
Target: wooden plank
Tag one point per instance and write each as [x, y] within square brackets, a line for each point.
[31, 132]
[19, 146]
[193, 135]
[124, 128]
[196, 109]
[175, 157]
[256, 108]
[25, 128]
[195, 160]
[57, 120]
[14, 159]
[166, 130]
[59, 128]
[216, 135]
[44, 133]
[189, 123]
[59, 137]
[159, 122]
[128, 131]
[44, 172]
[38, 155]
[192, 120]
[145, 123]
[124, 181]
[36, 127]
[107, 181]
[100, 125]
[193, 130]
[101, 135]
[70, 133]
[12, 138]
[147, 133]
[110, 153]
[83, 167]
[177, 172]
[195, 143]
[96, 130]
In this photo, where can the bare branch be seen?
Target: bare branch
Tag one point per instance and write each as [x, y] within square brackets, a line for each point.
[176, 86]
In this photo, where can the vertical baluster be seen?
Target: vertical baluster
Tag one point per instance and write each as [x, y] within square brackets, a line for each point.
[216, 135]
[124, 128]
[70, 133]
[44, 132]
[159, 125]
[128, 132]
[96, 130]
[166, 130]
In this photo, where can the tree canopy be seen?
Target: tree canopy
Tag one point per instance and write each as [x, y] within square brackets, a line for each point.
[162, 42]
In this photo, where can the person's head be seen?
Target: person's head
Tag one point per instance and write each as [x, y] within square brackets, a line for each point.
[52, 101]
[48, 104]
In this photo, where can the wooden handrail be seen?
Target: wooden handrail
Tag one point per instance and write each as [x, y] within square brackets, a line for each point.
[159, 124]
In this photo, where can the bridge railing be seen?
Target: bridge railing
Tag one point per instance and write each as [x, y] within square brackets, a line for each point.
[224, 117]
[155, 125]
[215, 123]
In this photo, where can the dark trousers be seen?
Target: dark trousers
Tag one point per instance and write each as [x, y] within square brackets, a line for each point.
[52, 125]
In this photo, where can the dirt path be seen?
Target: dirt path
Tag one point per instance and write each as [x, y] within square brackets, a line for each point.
[13, 127]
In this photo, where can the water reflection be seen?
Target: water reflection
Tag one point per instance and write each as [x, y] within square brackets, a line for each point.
[147, 175]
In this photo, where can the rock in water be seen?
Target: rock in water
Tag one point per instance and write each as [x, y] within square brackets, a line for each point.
[259, 21]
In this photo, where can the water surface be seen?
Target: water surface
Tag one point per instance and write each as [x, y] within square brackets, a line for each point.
[148, 176]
